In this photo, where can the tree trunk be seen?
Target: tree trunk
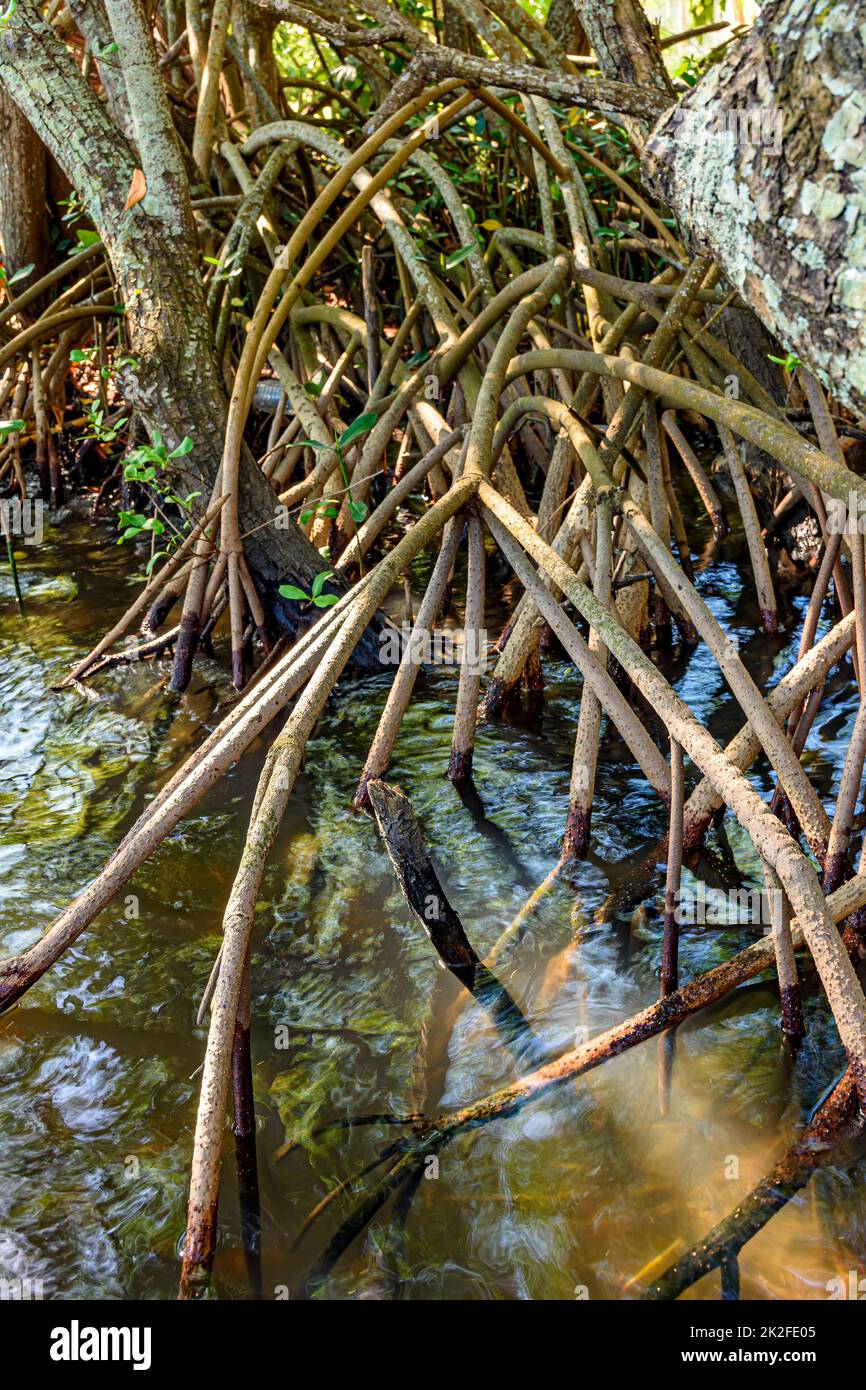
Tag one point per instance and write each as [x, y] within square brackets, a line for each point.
[92, 23]
[253, 31]
[764, 165]
[566, 28]
[23, 216]
[624, 44]
[456, 33]
[627, 49]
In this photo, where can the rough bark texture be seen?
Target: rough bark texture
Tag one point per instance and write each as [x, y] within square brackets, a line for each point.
[456, 33]
[764, 165]
[566, 28]
[91, 20]
[623, 42]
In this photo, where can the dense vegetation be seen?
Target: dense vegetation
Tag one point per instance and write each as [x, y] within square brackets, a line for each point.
[299, 292]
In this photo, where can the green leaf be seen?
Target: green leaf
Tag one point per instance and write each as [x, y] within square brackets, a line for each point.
[22, 273]
[358, 427]
[292, 591]
[157, 555]
[460, 255]
[790, 362]
[326, 600]
[86, 238]
[320, 581]
[314, 444]
[10, 427]
[358, 510]
[184, 447]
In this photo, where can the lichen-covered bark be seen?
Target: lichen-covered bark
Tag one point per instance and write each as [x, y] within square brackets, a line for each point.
[91, 20]
[623, 42]
[764, 165]
[540, 41]
[566, 28]
[456, 33]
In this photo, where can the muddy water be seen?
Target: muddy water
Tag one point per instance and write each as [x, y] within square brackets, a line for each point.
[578, 1192]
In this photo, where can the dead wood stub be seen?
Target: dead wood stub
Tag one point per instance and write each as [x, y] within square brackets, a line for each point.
[422, 890]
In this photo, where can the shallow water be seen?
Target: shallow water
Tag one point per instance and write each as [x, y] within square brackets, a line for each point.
[574, 1195]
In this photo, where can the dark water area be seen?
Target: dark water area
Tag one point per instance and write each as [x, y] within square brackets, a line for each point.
[352, 1014]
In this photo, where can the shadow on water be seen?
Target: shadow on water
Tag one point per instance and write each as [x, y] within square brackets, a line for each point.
[351, 1013]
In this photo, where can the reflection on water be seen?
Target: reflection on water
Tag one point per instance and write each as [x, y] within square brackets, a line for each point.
[352, 1015]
